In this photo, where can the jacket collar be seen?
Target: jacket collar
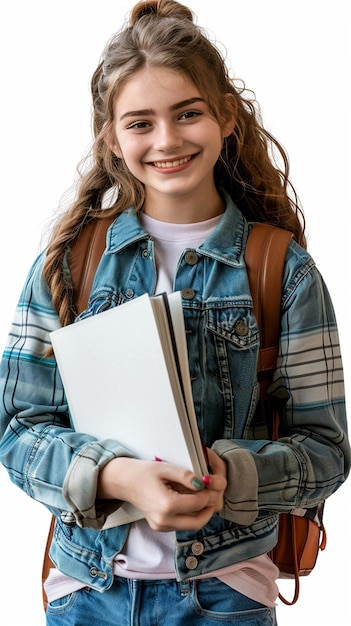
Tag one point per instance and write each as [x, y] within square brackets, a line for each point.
[225, 244]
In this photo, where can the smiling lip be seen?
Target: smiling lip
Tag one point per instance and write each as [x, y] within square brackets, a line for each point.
[172, 163]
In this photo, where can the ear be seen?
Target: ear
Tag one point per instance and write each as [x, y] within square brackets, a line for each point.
[231, 115]
[112, 143]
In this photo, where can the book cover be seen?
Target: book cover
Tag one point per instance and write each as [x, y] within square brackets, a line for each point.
[126, 377]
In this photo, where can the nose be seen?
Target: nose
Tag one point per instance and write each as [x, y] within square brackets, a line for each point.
[168, 137]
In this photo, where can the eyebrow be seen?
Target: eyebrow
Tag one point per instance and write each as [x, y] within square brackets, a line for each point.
[174, 107]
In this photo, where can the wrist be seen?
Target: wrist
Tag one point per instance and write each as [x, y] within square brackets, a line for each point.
[114, 479]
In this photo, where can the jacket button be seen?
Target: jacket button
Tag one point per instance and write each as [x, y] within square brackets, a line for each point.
[191, 562]
[188, 293]
[191, 258]
[197, 548]
[68, 519]
[94, 572]
[241, 329]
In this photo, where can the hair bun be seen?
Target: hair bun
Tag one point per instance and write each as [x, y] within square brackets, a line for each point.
[160, 8]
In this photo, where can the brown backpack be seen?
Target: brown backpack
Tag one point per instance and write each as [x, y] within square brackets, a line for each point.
[299, 538]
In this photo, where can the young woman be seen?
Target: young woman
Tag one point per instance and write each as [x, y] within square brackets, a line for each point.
[183, 163]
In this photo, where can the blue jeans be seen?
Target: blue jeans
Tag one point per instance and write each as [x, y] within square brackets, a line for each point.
[165, 603]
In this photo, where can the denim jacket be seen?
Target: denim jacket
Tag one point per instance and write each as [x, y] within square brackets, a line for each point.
[59, 467]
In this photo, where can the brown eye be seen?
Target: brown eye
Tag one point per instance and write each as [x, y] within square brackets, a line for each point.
[138, 125]
[189, 115]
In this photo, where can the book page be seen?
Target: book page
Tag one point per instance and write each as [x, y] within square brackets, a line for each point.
[176, 309]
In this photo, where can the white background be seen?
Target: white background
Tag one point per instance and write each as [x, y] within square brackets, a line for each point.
[294, 54]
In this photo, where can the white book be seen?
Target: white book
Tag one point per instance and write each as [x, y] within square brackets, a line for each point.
[120, 375]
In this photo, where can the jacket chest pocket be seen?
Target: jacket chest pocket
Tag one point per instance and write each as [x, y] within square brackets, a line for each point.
[231, 339]
[100, 301]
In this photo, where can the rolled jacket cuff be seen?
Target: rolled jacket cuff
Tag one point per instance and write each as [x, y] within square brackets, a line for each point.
[81, 483]
[241, 496]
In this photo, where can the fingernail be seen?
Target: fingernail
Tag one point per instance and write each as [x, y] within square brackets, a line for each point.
[206, 480]
[197, 483]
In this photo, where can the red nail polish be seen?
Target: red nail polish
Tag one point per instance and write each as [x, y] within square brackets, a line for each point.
[206, 480]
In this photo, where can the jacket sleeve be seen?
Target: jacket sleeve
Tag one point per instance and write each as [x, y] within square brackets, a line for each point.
[43, 455]
[311, 459]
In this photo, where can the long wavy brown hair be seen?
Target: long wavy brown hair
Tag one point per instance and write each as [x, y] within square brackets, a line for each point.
[253, 167]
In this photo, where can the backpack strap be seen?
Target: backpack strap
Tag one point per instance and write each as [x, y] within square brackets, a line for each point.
[264, 257]
[265, 253]
[47, 562]
[86, 252]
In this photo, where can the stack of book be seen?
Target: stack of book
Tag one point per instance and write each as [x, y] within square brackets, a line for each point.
[126, 377]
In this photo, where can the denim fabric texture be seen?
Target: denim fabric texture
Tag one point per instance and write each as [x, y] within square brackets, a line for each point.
[59, 467]
[163, 602]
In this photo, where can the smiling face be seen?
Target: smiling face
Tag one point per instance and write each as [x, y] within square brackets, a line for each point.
[170, 142]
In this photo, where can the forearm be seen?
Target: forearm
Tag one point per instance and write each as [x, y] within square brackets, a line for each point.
[170, 497]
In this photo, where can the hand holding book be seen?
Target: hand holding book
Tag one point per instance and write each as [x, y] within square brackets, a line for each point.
[170, 497]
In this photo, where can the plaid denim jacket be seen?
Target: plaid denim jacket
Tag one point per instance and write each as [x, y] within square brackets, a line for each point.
[59, 467]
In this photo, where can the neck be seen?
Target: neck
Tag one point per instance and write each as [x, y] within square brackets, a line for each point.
[184, 209]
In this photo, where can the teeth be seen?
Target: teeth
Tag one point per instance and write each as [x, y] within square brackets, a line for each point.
[172, 163]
